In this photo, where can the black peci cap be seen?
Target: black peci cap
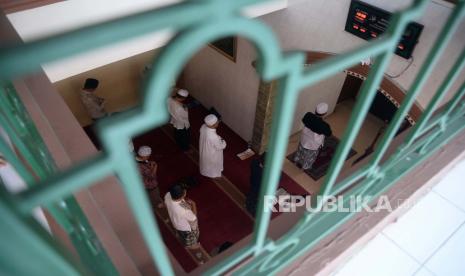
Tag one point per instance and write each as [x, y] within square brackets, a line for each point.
[91, 84]
[176, 191]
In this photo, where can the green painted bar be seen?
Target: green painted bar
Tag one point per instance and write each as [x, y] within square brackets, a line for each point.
[142, 211]
[63, 184]
[350, 180]
[455, 100]
[281, 126]
[326, 222]
[425, 71]
[22, 130]
[11, 157]
[453, 74]
[367, 93]
[21, 143]
[67, 212]
[222, 267]
[30, 243]
[327, 68]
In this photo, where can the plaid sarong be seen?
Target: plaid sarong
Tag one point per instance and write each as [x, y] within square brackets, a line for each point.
[305, 157]
[189, 238]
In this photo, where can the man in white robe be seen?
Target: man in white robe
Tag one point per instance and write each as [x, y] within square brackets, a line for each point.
[211, 147]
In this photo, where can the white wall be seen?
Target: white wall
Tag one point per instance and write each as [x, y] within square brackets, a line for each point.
[73, 14]
[316, 25]
[230, 87]
[325, 91]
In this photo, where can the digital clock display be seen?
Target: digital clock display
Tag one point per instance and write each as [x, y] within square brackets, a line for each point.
[369, 22]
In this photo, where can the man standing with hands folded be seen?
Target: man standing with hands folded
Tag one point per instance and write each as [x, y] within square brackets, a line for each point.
[183, 216]
[211, 147]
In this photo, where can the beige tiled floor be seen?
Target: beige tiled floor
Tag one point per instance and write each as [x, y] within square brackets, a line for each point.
[428, 240]
[338, 121]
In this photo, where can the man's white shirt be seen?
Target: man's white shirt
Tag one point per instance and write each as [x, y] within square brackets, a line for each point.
[93, 104]
[180, 216]
[311, 140]
[179, 114]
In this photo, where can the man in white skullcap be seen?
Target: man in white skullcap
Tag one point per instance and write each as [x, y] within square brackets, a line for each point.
[312, 138]
[211, 147]
[180, 118]
[148, 171]
[321, 109]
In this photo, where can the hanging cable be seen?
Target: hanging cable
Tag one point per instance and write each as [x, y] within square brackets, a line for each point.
[411, 59]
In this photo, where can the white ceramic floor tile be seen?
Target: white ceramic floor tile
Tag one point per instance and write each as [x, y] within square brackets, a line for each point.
[425, 226]
[452, 187]
[380, 257]
[449, 260]
[423, 272]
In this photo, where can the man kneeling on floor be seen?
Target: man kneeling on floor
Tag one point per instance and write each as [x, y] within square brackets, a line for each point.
[183, 216]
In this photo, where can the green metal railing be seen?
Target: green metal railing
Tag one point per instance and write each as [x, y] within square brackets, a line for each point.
[196, 23]
[16, 122]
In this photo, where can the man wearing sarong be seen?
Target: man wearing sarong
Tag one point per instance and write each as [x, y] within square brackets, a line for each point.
[312, 138]
[183, 216]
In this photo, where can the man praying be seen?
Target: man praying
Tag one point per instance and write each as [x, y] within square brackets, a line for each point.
[313, 137]
[180, 118]
[211, 147]
[148, 170]
[183, 216]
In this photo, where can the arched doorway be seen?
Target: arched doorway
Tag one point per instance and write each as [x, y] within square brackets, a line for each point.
[389, 92]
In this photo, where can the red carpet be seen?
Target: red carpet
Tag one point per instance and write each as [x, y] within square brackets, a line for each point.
[220, 218]
[176, 248]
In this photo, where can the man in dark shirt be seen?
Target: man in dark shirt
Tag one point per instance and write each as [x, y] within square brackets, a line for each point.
[312, 137]
[256, 171]
[316, 124]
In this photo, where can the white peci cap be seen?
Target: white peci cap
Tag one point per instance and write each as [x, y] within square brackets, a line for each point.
[210, 120]
[144, 151]
[183, 93]
[322, 108]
